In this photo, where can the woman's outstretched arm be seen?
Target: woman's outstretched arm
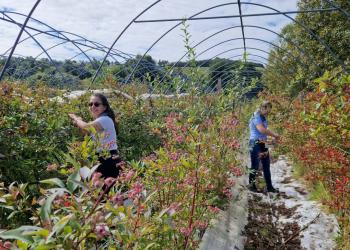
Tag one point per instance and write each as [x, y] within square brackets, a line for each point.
[78, 121]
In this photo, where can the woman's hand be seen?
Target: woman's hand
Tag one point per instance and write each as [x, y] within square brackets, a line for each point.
[265, 131]
[78, 121]
[75, 118]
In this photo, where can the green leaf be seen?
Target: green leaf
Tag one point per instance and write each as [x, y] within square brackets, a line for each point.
[57, 228]
[323, 86]
[22, 245]
[12, 214]
[46, 247]
[80, 184]
[68, 230]
[163, 212]
[8, 207]
[186, 164]
[150, 196]
[43, 232]
[18, 234]
[45, 210]
[181, 174]
[150, 245]
[53, 181]
[71, 185]
[72, 161]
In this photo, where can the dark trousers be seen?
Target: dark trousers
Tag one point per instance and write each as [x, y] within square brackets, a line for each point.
[109, 168]
[256, 149]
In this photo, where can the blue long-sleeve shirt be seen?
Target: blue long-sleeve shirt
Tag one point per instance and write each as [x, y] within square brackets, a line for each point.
[256, 119]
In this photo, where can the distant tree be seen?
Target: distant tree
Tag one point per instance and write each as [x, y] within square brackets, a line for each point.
[220, 69]
[146, 68]
[292, 67]
[232, 73]
[163, 63]
[76, 69]
[120, 72]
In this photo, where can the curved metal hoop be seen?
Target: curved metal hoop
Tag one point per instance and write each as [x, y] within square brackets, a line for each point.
[17, 39]
[260, 5]
[112, 52]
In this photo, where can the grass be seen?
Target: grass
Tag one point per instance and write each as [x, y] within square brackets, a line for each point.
[298, 170]
[320, 193]
[343, 240]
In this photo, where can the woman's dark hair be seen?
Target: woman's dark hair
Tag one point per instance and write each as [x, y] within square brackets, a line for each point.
[266, 104]
[109, 111]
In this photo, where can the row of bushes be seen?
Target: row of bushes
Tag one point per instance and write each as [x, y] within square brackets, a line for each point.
[35, 130]
[316, 136]
[165, 201]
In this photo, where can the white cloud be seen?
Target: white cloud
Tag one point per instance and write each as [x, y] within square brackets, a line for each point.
[103, 20]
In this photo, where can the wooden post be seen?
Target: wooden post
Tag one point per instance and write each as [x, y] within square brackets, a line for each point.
[219, 85]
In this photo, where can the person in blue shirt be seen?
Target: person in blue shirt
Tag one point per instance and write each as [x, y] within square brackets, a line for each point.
[257, 146]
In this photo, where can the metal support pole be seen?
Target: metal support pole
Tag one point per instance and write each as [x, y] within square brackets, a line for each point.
[18, 37]
[242, 25]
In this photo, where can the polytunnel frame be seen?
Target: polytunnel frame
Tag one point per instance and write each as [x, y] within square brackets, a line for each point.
[39, 32]
[231, 57]
[39, 44]
[44, 51]
[228, 63]
[60, 32]
[17, 39]
[239, 48]
[245, 47]
[277, 12]
[239, 55]
[65, 39]
[99, 46]
[241, 15]
[250, 60]
[239, 38]
[212, 79]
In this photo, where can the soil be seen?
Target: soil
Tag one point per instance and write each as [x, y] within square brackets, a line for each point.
[264, 230]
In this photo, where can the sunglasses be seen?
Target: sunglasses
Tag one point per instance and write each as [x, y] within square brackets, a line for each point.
[96, 104]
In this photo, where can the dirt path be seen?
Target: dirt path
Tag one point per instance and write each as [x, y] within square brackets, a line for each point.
[261, 221]
[265, 231]
[288, 220]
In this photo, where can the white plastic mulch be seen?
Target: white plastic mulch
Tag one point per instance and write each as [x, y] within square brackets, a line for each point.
[319, 234]
[226, 234]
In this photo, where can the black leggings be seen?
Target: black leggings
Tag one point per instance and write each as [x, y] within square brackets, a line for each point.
[109, 166]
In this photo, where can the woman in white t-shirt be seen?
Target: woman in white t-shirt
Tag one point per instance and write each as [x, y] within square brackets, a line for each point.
[106, 128]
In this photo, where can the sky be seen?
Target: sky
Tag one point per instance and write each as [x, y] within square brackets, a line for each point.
[102, 21]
